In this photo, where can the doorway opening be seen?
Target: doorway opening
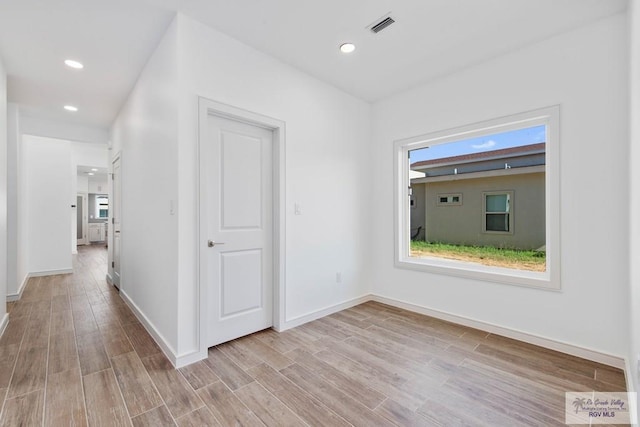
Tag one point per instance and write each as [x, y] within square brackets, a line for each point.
[241, 164]
[92, 207]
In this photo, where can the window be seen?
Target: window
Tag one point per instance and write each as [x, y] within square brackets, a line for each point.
[497, 216]
[449, 199]
[490, 163]
[102, 206]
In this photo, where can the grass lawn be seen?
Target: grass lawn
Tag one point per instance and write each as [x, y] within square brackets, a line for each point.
[485, 255]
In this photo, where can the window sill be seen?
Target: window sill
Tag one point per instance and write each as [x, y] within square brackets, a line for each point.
[467, 270]
[500, 233]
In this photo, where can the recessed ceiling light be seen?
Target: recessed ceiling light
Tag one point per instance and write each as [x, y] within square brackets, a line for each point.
[70, 108]
[347, 47]
[90, 173]
[74, 64]
[94, 169]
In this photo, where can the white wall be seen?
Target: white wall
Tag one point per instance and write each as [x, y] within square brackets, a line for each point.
[47, 163]
[146, 133]
[327, 135]
[98, 185]
[327, 170]
[22, 253]
[89, 154]
[3, 191]
[634, 224]
[82, 184]
[13, 137]
[586, 72]
[62, 130]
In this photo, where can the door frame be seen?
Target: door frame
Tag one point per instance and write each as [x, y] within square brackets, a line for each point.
[111, 277]
[85, 218]
[206, 108]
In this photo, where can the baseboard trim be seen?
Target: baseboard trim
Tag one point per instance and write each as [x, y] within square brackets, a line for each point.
[633, 403]
[157, 336]
[189, 358]
[18, 295]
[306, 318]
[109, 280]
[50, 272]
[574, 350]
[4, 324]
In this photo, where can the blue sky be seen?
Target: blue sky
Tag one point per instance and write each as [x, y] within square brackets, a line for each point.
[497, 141]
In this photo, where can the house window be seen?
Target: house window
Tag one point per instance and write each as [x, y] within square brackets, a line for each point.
[449, 199]
[489, 162]
[497, 215]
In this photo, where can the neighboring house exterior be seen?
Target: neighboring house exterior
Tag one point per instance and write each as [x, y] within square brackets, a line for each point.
[494, 198]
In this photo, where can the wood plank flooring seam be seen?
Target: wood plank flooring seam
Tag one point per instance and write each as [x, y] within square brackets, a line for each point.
[46, 369]
[13, 370]
[381, 403]
[164, 403]
[150, 379]
[84, 395]
[244, 404]
[120, 391]
[152, 409]
[271, 394]
[197, 395]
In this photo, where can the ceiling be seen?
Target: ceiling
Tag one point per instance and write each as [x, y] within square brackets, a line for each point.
[114, 39]
[100, 175]
[85, 170]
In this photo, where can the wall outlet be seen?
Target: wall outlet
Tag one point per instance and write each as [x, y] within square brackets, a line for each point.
[297, 209]
[338, 277]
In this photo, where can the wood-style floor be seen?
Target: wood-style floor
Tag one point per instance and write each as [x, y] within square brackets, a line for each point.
[74, 354]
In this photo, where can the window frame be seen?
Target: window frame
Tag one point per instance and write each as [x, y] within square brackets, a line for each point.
[451, 203]
[547, 280]
[509, 212]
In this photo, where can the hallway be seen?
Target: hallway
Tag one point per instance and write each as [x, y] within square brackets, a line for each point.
[70, 340]
[74, 354]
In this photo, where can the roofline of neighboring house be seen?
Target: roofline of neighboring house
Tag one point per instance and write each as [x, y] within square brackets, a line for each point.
[480, 174]
[505, 153]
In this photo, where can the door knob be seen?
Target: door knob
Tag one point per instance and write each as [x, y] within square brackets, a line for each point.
[211, 243]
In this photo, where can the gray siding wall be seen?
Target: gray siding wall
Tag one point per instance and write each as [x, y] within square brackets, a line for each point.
[463, 224]
[418, 211]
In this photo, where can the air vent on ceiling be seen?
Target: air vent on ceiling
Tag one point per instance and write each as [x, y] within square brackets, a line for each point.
[382, 24]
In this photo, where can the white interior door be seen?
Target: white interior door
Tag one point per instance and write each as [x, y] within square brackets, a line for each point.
[237, 228]
[116, 198]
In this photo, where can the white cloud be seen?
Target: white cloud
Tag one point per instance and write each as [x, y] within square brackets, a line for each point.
[487, 144]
